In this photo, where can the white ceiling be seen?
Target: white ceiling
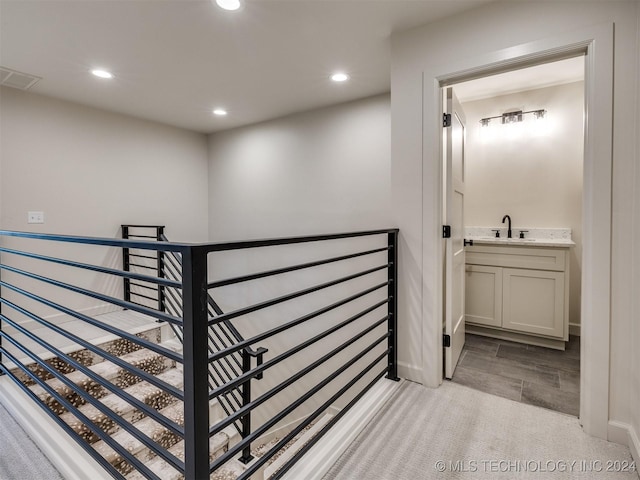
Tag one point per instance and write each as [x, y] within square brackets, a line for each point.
[175, 60]
[539, 76]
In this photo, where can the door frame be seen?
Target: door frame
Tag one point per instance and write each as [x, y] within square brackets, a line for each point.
[596, 43]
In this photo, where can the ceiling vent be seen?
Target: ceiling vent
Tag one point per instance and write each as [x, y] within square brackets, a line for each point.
[22, 81]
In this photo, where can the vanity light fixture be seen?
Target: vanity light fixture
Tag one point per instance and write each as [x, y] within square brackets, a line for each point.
[513, 117]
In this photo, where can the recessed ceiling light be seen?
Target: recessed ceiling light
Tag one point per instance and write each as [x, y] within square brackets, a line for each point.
[339, 77]
[221, 112]
[229, 4]
[102, 73]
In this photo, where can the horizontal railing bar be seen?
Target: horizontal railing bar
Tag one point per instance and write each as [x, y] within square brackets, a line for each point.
[290, 296]
[106, 242]
[281, 386]
[143, 266]
[104, 463]
[92, 321]
[106, 298]
[143, 226]
[161, 419]
[305, 448]
[225, 246]
[142, 236]
[216, 333]
[299, 401]
[143, 296]
[94, 268]
[293, 323]
[292, 351]
[301, 266]
[149, 257]
[80, 341]
[83, 418]
[167, 246]
[135, 284]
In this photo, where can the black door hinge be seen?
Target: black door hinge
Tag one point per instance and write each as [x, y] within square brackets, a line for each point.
[446, 231]
[446, 340]
[446, 119]
[468, 242]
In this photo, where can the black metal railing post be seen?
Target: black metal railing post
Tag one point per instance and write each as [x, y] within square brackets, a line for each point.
[126, 266]
[196, 363]
[392, 256]
[161, 292]
[246, 399]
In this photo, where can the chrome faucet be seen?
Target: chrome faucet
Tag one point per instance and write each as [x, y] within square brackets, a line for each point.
[507, 217]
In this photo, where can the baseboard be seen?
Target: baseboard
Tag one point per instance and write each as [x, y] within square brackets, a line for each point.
[625, 434]
[574, 329]
[410, 372]
[319, 459]
[282, 430]
[63, 452]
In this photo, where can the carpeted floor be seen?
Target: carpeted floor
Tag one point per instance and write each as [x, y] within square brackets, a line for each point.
[456, 432]
[20, 458]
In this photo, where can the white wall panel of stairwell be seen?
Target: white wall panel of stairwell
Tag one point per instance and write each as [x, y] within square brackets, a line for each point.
[321, 171]
[91, 171]
[535, 177]
[476, 34]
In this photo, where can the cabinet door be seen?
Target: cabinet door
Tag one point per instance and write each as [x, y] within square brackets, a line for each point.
[533, 301]
[483, 296]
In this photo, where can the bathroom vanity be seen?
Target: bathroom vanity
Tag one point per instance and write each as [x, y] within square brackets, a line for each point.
[518, 289]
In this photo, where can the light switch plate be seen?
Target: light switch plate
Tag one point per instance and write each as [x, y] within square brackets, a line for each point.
[35, 217]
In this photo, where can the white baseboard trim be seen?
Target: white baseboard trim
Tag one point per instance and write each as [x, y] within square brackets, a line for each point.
[319, 459]
[63, 452]
[410, 372]
[625, 434]
[574, 329]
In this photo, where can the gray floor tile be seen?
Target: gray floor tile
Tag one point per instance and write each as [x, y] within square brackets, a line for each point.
[540, 356]
[488, 383]
[552, 398]
[510, 369]
[569, 381]
[504, 368]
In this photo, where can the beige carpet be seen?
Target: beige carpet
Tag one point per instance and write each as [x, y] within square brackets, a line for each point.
[456, 432]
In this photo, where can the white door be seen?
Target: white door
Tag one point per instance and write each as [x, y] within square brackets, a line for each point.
[454, 246]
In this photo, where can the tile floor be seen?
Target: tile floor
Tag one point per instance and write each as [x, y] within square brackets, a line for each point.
[525, 373]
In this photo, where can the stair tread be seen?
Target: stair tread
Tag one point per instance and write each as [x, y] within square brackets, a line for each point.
[143, 358]
[143, 391]
[218, 445]
[147, 426]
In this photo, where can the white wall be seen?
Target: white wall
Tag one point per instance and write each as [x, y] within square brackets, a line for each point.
[535, 175]
[634, 399]
[316, 172]
[323, 171]
[90, 171]
[462, 39]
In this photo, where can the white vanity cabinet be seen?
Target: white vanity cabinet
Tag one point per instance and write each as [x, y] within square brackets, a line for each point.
[518, 293]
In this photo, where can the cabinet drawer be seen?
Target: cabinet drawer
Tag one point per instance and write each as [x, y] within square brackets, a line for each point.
[535, 258]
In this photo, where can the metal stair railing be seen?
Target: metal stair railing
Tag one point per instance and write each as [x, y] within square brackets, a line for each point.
[221, 335]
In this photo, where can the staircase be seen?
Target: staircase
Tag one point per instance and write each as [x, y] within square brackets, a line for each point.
[155, 398]
[143, 406]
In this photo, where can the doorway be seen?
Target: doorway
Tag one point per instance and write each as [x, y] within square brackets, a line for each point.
[523, 161]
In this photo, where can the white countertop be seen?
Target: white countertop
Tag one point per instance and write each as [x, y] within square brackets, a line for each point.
[534, 237]
[523, 242]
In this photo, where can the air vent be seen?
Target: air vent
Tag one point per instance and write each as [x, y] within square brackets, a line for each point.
[22, 81]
